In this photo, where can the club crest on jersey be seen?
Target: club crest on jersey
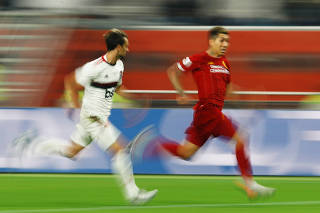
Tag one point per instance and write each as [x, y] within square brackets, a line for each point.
[218, 69]
[187, 62]
[224, 64]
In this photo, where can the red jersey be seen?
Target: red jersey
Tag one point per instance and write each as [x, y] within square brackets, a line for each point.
[212, 75]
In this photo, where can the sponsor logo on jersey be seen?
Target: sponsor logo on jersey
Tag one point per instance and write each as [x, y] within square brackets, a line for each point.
[210, 63]
[218, 69]
[187, 62]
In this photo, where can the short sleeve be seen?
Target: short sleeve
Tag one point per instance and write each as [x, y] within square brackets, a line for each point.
[85, 74]
[121, 73]
[189, 63]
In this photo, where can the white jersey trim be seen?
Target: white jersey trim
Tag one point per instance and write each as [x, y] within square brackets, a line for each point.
[187, 62]
[180, 67]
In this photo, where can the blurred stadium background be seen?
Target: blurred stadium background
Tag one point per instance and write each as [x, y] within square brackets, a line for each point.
[274, 44]
[275, 58]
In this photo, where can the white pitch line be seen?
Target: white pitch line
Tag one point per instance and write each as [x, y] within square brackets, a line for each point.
[185, 177]
[218, 205]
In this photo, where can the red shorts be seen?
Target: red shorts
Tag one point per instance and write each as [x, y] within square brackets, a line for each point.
[208, 120]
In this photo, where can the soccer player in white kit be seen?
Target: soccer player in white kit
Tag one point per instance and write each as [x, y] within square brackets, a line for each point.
[101, 78]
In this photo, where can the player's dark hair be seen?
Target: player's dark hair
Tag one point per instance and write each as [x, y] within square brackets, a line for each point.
[214, 32]
[113, 38]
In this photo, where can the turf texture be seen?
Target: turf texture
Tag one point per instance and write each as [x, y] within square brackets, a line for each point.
[97, 193]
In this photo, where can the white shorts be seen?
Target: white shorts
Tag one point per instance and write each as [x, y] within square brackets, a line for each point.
[92, 128]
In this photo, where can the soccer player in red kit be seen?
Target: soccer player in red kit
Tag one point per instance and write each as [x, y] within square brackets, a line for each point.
[212, 74]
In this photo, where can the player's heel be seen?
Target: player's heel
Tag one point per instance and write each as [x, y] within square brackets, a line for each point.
[250, 193]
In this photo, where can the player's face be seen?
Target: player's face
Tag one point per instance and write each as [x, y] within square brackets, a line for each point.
[124, 48]
[220, 44]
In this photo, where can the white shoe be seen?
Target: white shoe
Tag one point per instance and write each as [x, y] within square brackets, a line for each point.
[143, 197]
[21, 144]
[255, 190]
[262, 190]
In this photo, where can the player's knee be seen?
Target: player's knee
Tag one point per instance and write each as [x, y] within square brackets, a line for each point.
[241, 139]
[186, 154]
[187, 150]
[115, 148]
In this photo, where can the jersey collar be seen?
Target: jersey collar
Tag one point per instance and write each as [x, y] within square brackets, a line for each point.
[104, 58]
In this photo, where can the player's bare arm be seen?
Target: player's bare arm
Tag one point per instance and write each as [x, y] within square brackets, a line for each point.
[174, 75]
[231, 88]
[120, 90]
[72, 88]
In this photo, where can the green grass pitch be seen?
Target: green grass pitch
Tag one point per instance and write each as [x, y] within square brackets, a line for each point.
[65, 193]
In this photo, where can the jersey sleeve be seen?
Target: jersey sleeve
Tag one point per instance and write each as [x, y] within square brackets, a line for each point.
[121, 74]
[85, 74]
[189, 63]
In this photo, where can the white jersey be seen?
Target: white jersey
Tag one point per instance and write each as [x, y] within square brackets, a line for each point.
[100, 80]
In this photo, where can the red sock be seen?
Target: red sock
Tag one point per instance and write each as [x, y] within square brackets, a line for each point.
[243, 161]
[171, 147]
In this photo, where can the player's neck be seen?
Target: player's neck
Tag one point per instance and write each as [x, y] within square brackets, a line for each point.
[213, 54]
[111, 57]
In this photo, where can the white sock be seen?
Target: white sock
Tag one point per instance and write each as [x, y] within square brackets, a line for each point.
[122, 166]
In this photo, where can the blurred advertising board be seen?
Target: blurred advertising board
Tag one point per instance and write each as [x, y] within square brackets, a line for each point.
[282, 142]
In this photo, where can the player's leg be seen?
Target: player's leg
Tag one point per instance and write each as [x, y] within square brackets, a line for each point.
[197, 134]
[109, 139]
[243, 158]
[122, 166]
[33, 144]
[252, 188]
[80, 138]
[228, 130]
[148, 143]
[56, 146]
[184, 151]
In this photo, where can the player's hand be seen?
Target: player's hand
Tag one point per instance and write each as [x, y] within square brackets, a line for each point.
[183, 99]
